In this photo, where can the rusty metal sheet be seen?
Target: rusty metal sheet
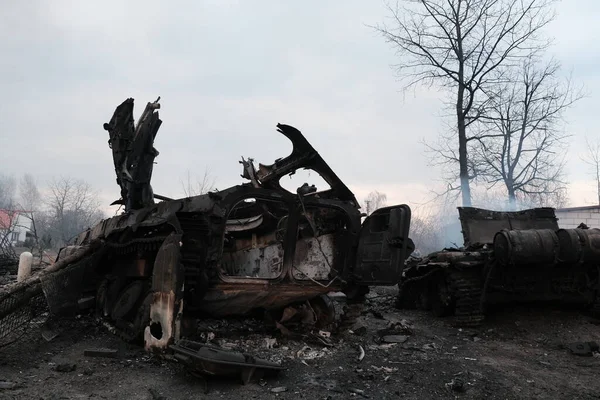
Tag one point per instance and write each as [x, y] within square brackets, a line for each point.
[313, 257]
[167, 283]
[238, 299]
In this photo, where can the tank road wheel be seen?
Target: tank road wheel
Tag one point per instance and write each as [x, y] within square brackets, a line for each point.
[142, 318]
[131, 310]
[113, 289]
[441, 299]
[129, 297]
[101, 294]
[325, 312]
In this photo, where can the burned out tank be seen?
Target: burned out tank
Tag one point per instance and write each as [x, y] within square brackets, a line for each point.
[519, 256]
[159, 266]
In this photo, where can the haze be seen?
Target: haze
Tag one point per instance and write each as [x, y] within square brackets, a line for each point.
[227, 73]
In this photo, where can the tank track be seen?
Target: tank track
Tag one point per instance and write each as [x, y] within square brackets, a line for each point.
[466, 284]
[144, 244]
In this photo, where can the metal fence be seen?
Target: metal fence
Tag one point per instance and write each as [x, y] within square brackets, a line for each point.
[23, 310]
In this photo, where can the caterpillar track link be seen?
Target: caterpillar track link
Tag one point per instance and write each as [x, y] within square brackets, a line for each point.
[467, 287]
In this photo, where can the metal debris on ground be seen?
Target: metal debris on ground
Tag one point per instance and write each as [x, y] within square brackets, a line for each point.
[456, 385]
[308, 353]
[66, 367]
[211, 360]
[359, 392]
[394, 338]
[361, 354]
[49, 335]
[108, 353]
[585, 349]
[7, 385]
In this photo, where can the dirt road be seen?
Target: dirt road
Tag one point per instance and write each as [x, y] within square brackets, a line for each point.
[517, 354]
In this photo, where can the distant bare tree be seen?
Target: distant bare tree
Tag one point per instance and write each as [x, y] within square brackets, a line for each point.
[496, 199]
[521, 144]
[73, 206]
[592, 158]
[464, 46]
[374, 201]
[197, 186]
[30, 206]
[7, 225]
[8, 189]
[425, 231]
[29, 195]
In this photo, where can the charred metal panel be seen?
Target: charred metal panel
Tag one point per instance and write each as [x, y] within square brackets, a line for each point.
[265, 262]
[133, 152]
[238, 299]
[313, 258]
[212, 360]
[64, 288]
[479, 226]
[303, 156]
[167, 285]
[383, 246]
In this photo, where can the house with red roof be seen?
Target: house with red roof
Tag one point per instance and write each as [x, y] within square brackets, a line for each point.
[14, 226]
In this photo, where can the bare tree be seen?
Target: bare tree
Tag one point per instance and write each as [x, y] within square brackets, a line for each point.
[8, 188]
[464, 46]
[374, 201]
[72, 207]
[29, 195]
[521, 144]
[425, 233]
[197, 186]
[592, 158]
[30, 208]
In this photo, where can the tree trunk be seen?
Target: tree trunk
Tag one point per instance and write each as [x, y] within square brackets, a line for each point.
[598, 180]
[512, 199]
[465, 189]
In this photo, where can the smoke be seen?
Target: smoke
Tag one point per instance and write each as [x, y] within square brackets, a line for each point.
[438, 226]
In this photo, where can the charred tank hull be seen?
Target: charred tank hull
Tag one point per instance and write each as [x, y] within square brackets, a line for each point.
[508, 257]
[153, 270]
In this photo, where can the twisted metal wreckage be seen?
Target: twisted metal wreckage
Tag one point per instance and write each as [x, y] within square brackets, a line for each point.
[154, 270]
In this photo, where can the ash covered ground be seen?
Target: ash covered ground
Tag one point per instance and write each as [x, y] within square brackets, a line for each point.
[518, 353]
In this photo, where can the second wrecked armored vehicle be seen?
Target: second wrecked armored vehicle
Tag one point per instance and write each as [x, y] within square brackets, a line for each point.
[507, 257]
[158, 267]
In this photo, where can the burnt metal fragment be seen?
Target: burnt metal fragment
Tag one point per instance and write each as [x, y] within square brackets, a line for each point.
[212, 360]
[585, 349]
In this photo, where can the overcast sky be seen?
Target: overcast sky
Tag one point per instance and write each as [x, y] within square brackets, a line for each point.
[227, 73]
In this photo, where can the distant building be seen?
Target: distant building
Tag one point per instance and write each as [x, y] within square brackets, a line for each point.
[571, 217]
[14, 226]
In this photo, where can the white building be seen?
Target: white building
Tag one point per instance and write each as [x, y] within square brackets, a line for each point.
[14, 226]
[573, 216]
